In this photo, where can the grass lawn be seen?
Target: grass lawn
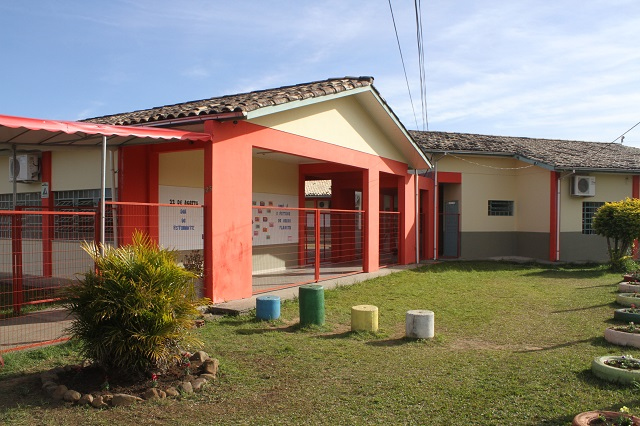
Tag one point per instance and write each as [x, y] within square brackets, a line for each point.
[513, 346]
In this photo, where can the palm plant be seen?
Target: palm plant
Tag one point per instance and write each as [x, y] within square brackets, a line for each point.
[133, 313]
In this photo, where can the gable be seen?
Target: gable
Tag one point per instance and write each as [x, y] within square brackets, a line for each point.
[343, 122]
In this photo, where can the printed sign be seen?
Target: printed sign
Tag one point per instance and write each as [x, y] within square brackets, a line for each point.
[181, 228]
[272, 222]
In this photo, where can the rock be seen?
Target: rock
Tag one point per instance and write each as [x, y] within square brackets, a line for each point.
[151, 393]
[198, 323]
[48, 384]
[107, 398]
[185, 387]
[172, 391]
[86, 399]
[98, 402]
[58, 393]
[210, 366]
[198, 383]
[199, 356]
[163, 394]
[72, 396]
[122, 400]
[188, 378]
[86, 363]
[209, 377]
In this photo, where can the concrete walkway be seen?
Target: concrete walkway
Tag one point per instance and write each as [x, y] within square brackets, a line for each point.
[49, 326]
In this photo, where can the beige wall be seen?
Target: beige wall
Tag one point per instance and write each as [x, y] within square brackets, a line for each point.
[78, 169]
[274, 177]
[183, 168]
[6, 187]
[609, 187]
[340, 122]
[533, 199]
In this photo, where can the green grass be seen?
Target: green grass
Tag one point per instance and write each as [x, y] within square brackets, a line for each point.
[513, 345]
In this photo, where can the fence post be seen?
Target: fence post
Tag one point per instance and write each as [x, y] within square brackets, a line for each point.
[16, 255]
[317, 242]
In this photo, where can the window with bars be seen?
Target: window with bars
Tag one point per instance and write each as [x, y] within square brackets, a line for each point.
[31, 225]
[500, 208]
[79, 227]
[588, 210]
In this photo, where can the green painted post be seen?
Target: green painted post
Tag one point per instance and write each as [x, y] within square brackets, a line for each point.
[311, 304]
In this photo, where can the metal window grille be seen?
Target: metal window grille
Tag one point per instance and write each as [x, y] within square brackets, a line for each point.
[25, 199]
[589, 209]
[500, 208]
[79, 227]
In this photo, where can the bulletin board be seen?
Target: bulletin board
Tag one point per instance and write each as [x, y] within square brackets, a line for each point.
[181, 228]
[270, 223]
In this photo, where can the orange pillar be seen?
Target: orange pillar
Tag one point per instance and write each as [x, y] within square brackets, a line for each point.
[407, 209]
[47, 220]
[228, 193]
[371, 207]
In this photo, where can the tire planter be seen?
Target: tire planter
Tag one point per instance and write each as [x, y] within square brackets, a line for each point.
[628, 287]
[628, 278]
[621, 315]
[622, 338]
[613, 374]
[584, 419]
[627, 299]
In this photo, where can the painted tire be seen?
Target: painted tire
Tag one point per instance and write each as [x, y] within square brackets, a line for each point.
[622, 338]
[627, 299]
[625, 287]
[584, 419]
[621, 315]
[613, 374]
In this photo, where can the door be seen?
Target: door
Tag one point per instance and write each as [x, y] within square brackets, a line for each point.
[451, 228]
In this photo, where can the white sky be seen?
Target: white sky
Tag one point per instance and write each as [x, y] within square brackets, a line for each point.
[566, 69]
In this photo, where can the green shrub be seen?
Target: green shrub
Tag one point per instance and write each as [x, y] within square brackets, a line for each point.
[133, 313]
[619, 222]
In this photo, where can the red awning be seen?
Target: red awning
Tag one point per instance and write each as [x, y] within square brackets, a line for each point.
[38, 132]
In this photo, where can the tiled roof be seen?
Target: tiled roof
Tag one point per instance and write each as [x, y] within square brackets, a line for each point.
[558, 154]
[317, 188]
[241, 103]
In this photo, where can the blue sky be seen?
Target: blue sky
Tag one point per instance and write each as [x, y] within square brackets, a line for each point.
[565, 69]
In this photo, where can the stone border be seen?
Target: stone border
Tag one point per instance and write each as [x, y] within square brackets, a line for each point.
[191, 384]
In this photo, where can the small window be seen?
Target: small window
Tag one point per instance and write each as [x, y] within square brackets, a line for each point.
[588, 210]
[500, 208]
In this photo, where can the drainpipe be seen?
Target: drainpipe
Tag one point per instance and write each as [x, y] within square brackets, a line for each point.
[114, 215]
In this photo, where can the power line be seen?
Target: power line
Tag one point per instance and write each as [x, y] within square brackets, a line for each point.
[621, 137]
[423, 79]
[403, 66]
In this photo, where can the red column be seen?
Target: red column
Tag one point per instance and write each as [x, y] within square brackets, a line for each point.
[371, 207]
[408, 220]
[47, 220]
[228, 188]
[553, 216]
[635, 193]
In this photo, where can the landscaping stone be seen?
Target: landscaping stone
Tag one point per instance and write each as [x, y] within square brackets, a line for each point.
[122, 400]
[48, 384]
[58, 393]
[107, 398]
[200, 356]
[185, 387]
[98, 402]
[163, 394]
[198, 383]
[210, 366]
[171, 391]
[86, 399]
[72, 396]
[152, 393]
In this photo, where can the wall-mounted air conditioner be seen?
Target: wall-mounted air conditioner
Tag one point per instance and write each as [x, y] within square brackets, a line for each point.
[323, 204]
[583, 186]
[26, 168]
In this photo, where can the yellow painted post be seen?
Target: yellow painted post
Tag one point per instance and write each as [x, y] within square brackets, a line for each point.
[364, 318]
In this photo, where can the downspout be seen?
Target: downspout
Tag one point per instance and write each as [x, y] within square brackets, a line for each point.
[114, 197]
[103, 184]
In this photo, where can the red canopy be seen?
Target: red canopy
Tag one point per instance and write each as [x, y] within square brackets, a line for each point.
[34, 131]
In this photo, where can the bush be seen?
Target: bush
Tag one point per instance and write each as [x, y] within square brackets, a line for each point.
[135, 312]
[619, 222]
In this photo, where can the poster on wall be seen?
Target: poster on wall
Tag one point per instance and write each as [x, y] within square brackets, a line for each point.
[181, 226]
[272, 223]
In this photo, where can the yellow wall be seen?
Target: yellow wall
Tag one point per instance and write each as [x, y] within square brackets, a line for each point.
[609, 187]
[183, 168]
[340, 122]
[494, 178]
[274, 177]
[78, 169]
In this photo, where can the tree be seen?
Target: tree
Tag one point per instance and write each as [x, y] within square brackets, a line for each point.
[619, 222]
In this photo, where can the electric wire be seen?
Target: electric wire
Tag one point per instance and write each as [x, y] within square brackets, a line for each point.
[403, 65]
[621, 137]
[423, 79]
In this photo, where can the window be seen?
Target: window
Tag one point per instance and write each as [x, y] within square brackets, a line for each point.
[31, 227]
[588, 210]
[79, 227]
[500, 208]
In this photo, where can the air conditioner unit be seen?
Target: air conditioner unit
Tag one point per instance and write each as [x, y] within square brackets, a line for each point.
[583, 186]
[25, 169]
[323, 204]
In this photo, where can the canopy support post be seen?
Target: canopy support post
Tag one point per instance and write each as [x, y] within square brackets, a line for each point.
[103, 193]
[14, 181]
